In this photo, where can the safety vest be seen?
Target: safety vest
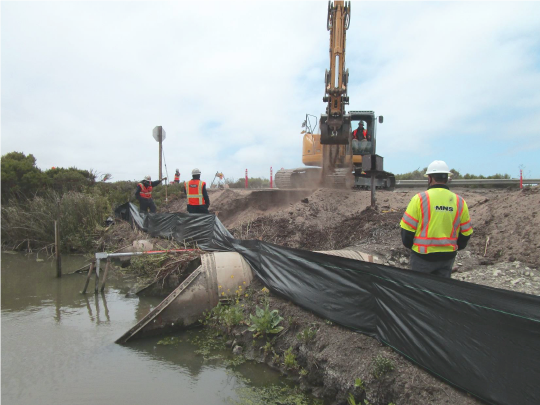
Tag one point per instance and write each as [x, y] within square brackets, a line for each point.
[355, 133]
[436, 217]
[194, 192]
[177, 178]
[146, 192]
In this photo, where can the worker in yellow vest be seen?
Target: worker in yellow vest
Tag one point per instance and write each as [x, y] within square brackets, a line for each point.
[144, 194]
[436, 224]
[197, 196]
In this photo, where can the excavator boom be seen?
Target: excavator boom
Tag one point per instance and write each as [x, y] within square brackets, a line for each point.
[335, 125]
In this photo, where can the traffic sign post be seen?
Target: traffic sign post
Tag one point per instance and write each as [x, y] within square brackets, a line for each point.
[159, 135]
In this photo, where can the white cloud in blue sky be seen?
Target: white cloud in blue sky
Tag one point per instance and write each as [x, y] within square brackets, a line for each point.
[84, 83]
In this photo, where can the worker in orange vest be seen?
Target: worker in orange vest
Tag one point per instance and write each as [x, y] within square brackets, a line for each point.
[144, 194]
[177, 176]
[360, 133]
[197, 196]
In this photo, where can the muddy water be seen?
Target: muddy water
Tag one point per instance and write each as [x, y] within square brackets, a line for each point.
[58, 347]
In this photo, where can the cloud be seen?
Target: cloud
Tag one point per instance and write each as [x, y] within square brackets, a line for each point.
[84, 83]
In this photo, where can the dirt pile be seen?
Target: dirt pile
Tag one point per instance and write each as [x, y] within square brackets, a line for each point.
[511, 221]
[334, 219]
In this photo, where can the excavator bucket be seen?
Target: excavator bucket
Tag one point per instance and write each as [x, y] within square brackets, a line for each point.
[335, 131]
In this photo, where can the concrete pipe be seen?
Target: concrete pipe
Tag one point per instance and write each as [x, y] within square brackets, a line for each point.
[219, 276]
[353, 254]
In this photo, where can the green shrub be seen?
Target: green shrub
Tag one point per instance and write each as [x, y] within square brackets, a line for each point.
[81, 218]
[72, 179]
[253, 182]
[20, 177]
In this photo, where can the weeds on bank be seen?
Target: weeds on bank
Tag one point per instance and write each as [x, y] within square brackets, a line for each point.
[208, 343]
[170, 340]
[275, 394]
[224, 315]
[145, 266]
[358, 383]
[307, 335]
[289, 359]
[265, 321]
[352, 401]
[381, 366]
[228, 312]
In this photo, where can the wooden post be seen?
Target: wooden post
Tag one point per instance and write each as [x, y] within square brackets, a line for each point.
[57, 249]
[372, 190]
[96, 286]
[105, 275]
[88, 276]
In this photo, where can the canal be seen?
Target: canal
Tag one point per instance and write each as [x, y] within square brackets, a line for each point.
[58, 348]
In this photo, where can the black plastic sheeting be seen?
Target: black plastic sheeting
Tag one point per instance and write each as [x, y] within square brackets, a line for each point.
[481, 339]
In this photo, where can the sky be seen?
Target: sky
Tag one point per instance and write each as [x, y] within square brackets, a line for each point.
[83, 84]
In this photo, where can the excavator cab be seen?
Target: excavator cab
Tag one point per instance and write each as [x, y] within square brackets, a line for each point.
[364, 145]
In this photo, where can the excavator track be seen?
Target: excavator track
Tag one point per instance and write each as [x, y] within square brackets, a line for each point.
[304, 177]
[341, 178]
[312, 178]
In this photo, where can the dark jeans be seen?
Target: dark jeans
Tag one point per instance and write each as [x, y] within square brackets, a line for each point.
[197, 209]
[147, 204]
[441, 268]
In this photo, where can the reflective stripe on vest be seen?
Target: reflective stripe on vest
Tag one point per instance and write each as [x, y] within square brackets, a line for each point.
[455, 225]
[466, 226]
[146, 192]
[413, 223]
[422, 241]
[194, 192]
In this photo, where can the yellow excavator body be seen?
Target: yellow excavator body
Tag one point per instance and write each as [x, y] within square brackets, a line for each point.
[312, 152]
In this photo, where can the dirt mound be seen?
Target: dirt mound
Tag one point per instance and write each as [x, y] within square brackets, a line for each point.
[334, 219]
[234, 206]
[511, 221]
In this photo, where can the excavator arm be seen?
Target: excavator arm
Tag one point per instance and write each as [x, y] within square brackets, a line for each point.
[335, 125]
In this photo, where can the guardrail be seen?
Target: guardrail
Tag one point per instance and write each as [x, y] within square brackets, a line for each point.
[469, 182]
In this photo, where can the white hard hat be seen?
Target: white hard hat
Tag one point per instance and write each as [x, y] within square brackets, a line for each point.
[195, 171]
[148, 178]
[438, 167]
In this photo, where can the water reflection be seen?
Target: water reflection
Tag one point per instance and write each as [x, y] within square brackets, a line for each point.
[183, 354]
[58, 346]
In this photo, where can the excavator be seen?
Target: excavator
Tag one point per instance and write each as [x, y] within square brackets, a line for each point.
[334, 158]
